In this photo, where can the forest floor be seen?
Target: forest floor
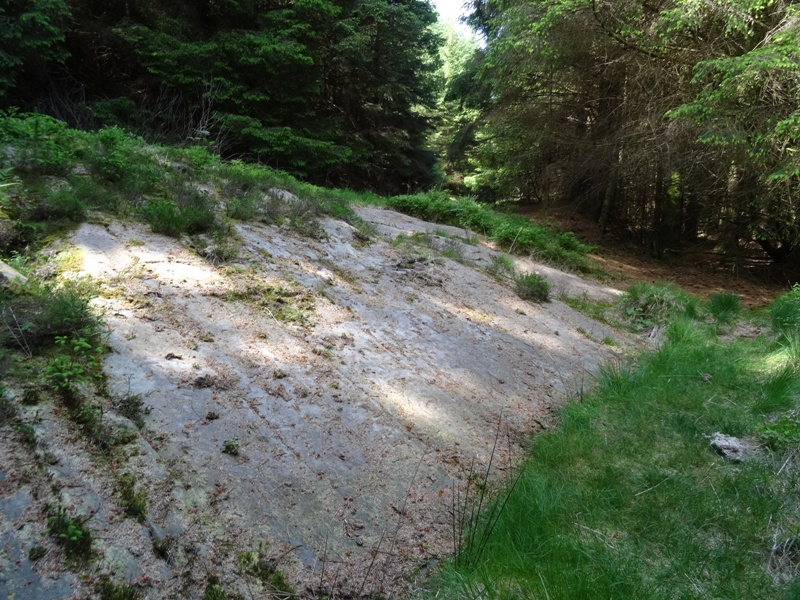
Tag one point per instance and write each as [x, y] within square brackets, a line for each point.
[696, 268]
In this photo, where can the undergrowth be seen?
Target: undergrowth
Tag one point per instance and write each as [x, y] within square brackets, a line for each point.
[515, 233]
[625, 498]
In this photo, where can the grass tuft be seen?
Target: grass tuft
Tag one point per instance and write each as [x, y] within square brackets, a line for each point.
[724, 307]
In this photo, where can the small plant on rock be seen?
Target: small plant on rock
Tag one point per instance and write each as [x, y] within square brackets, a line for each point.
[133, 407]
[231, 447]
[75, 367]
[502, 266]
[134, 503]
[532, 286]
[70, 534]
[108, 590]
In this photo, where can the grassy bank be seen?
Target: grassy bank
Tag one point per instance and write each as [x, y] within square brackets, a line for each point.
[52, 176]
[627, 499]
[512, 232]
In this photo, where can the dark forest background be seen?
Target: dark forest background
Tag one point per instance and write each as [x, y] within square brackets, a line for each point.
[667, 121]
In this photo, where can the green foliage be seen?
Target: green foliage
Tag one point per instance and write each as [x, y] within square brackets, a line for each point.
[39, 314]
[36, 552]
[214, 591]
[532, 286]
[779, 390]
[74, 367]
[133, 407]
[187, 211]
[231, 447]
[164, 217]
[32, 35]
[62, 204]
[785, 311]
[265, 570]
[503, 266]
[244, 207]
[27, 434]
[37, 143]
[114, 153]
[70, 533]
[724, 307]
[782, 434]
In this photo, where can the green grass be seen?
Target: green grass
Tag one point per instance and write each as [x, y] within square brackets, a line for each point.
[785, 311]
[514, 233]
[625, 498]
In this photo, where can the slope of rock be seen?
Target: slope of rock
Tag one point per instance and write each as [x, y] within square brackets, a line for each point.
[351, 385]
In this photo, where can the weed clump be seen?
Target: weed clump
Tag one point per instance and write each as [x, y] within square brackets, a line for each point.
[231, 447]
[132, 406]
[648, 304]
[134, 503]
[781, 434]
[532, 286]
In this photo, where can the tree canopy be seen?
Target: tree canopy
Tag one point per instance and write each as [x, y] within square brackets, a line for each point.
[664, 120]
[332, 90]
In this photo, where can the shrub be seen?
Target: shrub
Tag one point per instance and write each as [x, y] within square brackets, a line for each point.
[244, 207]
[164, 217]
[785, 311]
[532, 286]
[63, 204]
[39, 313]
[41, 144]
[113, 155]
[724, 307]
[197, 209]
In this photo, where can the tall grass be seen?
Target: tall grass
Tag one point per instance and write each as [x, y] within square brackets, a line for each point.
[625, 499]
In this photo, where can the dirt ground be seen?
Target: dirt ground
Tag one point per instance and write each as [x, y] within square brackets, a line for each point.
[697, 269]
[359, 383]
